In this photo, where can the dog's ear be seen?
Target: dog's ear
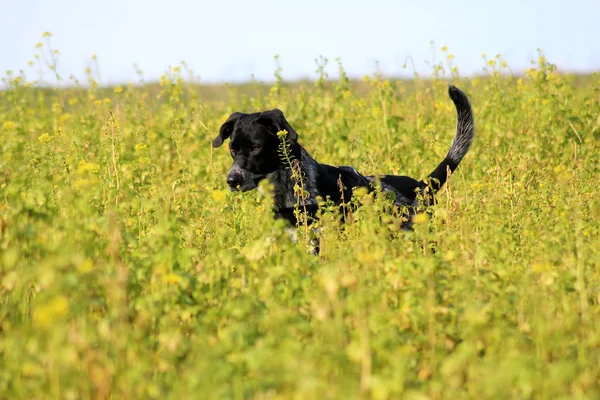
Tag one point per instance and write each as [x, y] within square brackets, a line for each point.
[274, 121]
[226, 129]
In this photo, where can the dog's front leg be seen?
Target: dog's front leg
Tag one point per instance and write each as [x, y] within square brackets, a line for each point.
[314, 244]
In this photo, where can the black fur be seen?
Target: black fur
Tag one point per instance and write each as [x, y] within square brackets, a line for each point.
[255, 148]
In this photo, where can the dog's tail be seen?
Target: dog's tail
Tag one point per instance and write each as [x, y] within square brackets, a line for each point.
[465, 132]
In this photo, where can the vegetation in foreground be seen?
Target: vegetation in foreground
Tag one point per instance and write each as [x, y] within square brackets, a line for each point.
[127, 270]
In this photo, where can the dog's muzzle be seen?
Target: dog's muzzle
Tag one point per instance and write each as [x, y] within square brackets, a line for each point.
[235, 179]
[240, 179]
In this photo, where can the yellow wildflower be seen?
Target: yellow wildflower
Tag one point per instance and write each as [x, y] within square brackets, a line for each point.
[45, 138]
[45, 314]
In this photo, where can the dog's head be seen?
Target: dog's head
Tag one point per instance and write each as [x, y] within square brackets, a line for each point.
[254, 146]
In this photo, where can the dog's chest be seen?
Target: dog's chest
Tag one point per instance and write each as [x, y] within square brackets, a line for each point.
[283, 189]
[287, 191]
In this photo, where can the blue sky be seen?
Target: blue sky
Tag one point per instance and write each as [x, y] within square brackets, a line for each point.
[230, 40]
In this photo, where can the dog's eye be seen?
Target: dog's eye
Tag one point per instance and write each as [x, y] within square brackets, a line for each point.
[255, 147]
[232, 152]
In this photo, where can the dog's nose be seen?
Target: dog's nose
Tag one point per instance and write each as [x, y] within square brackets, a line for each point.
[234, 179]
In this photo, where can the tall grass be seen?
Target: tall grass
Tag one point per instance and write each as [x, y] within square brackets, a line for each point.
[127, 270]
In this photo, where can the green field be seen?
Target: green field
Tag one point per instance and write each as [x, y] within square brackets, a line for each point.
[128, 270]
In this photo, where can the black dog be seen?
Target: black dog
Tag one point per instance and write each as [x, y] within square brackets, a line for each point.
[255, 149]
